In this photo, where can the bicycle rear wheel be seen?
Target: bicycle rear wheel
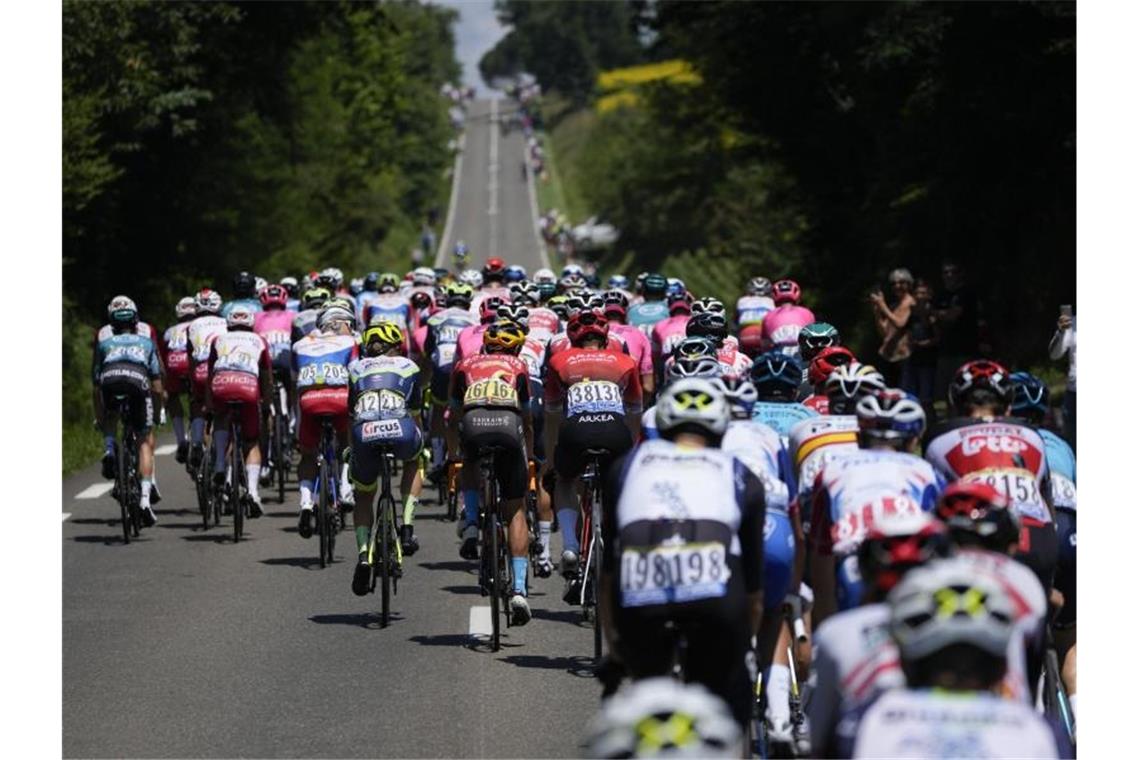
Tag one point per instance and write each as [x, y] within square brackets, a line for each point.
[596, 562]
[384, 537]
[124, 491]
[202, 488]
[237, 501]
[135, 488]
[332, 510]
[323, 510]
[491, 553]
[279, 453]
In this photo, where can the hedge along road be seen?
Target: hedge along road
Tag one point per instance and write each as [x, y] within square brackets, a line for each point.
[183, 644]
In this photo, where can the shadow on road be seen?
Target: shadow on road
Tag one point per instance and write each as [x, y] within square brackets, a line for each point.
[572, 616]
[95, 521]
[112, 540]
[447, 640]
[370, 620]
[458, 565]
[462, 590]
[217, 538]
[306, 563]
[581, 665]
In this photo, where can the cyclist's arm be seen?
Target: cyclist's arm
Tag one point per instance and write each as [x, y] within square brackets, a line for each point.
[820, 560]
[553, 405]
[522, 388]
[607, 604]
[632, 400]
[751, 498]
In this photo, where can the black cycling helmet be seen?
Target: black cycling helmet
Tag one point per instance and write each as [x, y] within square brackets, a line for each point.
[371, 281]
[777, 376]
[655, 286]
[245, 285]
[707, 324]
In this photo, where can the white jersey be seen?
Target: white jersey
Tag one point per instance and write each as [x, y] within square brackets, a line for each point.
[750, 310]
[201, 334]
[920, 723]
[813, 441]
[760, 449]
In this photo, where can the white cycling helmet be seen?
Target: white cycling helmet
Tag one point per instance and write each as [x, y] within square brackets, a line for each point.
[260, 284]
[544, 275]
[240, 318]
[471, 277]
[572, 269]
[334, 274]
[707, 304]
[186, 307]
[759, 286]
[890, 414]
[740, 393]
[423, 276]
[691, 366]
[208, 301]
[850, 382]
[334, 313]
[694, 401]
[948, 602]
[662, 717]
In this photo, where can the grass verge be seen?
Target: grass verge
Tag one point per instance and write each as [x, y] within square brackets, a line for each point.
[82, 445]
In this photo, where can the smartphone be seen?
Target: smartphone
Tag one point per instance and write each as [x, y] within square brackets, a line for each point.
[1066, 310]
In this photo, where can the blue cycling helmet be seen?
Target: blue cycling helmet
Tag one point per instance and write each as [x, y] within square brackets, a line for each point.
[1030, 395]
[617, 282]
[776, 376]
[674, 285]
[514, 273]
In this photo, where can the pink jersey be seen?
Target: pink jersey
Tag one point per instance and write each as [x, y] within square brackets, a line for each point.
[637, 345]
[470, 341]
[419, 338]
[782, 326]
[668, 333]
[276, 326]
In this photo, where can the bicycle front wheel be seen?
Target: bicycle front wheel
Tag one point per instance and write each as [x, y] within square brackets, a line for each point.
[384, 539]
[124, 491]
[323, 511]
[237, 502]
[279, 454]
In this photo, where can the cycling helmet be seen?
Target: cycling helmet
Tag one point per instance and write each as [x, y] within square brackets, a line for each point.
[335, 275]
[708, 304]
[544, 275]
[488, 307]
[356, 286]
[515, 273]
[122, 311]
[442, 275]
[460, 252]
[315, 298]
[240, 318]
[587, 323]
[388, 282]
[503, 335]
[977, 514]
[776, 376]
[208, 301]
[890, 415]
[371, 282]
[663, 718]
[423, 276]
[978, 379]
[547, 290]
[617, 281]
[692, 404]
[654, 286]
[245, 285]
[459, 294]
[815, 337]
[334, 313]
[949, 602]
[741, 395]
[897, 542]
[571, 282]
[344, 302]
[583, 299]
[785, 291]
[849, 383]
[495, 269]
[558, 305]
[185, 308]
[384, 335]
[471, 277]
[421, 300]
[694, 345]
[692, 366]
[524, 293]
[759, 286]
[291, 286]
[679, 303]
[616, 305]
[571, 269]
[275, 295]
[826, 362]
[515, 312]
[639, 282]
[674, 285]
[707, 324]
[1030, 396]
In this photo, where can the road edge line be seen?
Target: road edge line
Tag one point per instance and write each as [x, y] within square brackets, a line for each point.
[543, 255]
[456, 171]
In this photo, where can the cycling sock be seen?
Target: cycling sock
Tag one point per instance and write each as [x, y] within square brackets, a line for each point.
[518, 568]
[1073, 706]
[470, 506]
[437, 457]
[144, 497]
[197, 430]
[779, 687]
[362, 537]
[109, 443]
[221, 438]
[410, 505]
[568, 524]
[544, 537]
[252, 473]
[179, 429]
[345, 483]
[306, 488]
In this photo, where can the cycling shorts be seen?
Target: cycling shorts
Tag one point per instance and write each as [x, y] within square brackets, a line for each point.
[369, 440]
[779, 556]
[440, 385]
[283, 364]
[317, 403]
[1066, 577]
[177, 373]
[199, 380]
[751, 339]
[503, 428]
[237, 387]
[717, 634]
[140, 415]
[606, 430]
[1037, 550]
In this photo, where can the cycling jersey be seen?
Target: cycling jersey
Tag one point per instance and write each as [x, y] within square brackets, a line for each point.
[442, 335]
[500, 381]
[782, 327]
[582, 381]
[470, 341]
[818, 402]
[646, 314]
[636, 345]
[304, 323]
[815, 440]
[293, 304]
[649, 424]
[1062, 461]
[141, 328]
[666, 334]
[561, 342]
[388, 307]
[127, 360]
[201, 334]
[320, 364]
[533, 354]
[276, 327]
[174, 350]
[384, 391]
[927, 723]
[750, 310]
[543, 324]
[490, 290]
[252, 304]
[238, 361]
[732, 362]
[364, 299]
[781, 416]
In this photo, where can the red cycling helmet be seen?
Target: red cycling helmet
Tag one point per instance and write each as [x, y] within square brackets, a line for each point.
[980, 374]
[275, 295]
[421, 299]
[489, 308]
[980, 514]
[587, 323]
[826, 361]
[785, 291]
[680, 303]
[896, 543]
[495, 267]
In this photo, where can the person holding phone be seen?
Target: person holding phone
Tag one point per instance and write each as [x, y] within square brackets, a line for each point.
[1065, 341]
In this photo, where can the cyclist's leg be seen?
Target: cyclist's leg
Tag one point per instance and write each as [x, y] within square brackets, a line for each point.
[308, 436]
[251, 435]
[544, 506]
[717, 647]
[142, 420]
[108, 419]
[364, 470]
[568, 464]
[408, 450]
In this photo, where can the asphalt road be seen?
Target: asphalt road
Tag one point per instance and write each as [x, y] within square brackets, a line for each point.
[183, 644]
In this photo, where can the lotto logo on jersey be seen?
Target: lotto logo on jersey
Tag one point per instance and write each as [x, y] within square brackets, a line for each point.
[997, 444]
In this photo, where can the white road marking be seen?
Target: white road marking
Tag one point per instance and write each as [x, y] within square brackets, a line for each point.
[456, 172]
[66, 515]
[493, 183]
[479, 622]
[165, 451]
[95, 491]
[534, 210]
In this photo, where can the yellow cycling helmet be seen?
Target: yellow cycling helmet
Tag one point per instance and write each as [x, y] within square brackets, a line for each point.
[504, 335]
[388, 334]
[459, 291]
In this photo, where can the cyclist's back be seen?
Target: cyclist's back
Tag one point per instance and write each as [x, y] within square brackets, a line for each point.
[276, 327]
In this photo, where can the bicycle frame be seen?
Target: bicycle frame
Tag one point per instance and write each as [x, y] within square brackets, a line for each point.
[127, 478]
[328, 471]
[385, 539]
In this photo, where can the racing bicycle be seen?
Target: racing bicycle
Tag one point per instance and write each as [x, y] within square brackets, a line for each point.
[128, 488]
[494, 560]
[590, 539]
[328, 516]
[385, 553]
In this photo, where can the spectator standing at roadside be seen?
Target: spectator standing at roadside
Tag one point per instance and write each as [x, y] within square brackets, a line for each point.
[893, 324]
[919, 368]
[1065, 340]
[956, 309]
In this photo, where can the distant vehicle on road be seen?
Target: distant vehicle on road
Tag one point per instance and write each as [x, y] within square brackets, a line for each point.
[593, 234]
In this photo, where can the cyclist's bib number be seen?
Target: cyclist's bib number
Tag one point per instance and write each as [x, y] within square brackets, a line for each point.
[1019, 486]
[491, 392]
[594, 396]
[237, 360]
[664, 574]
[381, 430]
[278, 340]
[322, 373]
[382, 403]
[444, 354]
[1064, 491]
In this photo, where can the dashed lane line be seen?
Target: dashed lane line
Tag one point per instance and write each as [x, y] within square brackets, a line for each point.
[165, 451]
[66, 515]
[479, 622]
[95, 491]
